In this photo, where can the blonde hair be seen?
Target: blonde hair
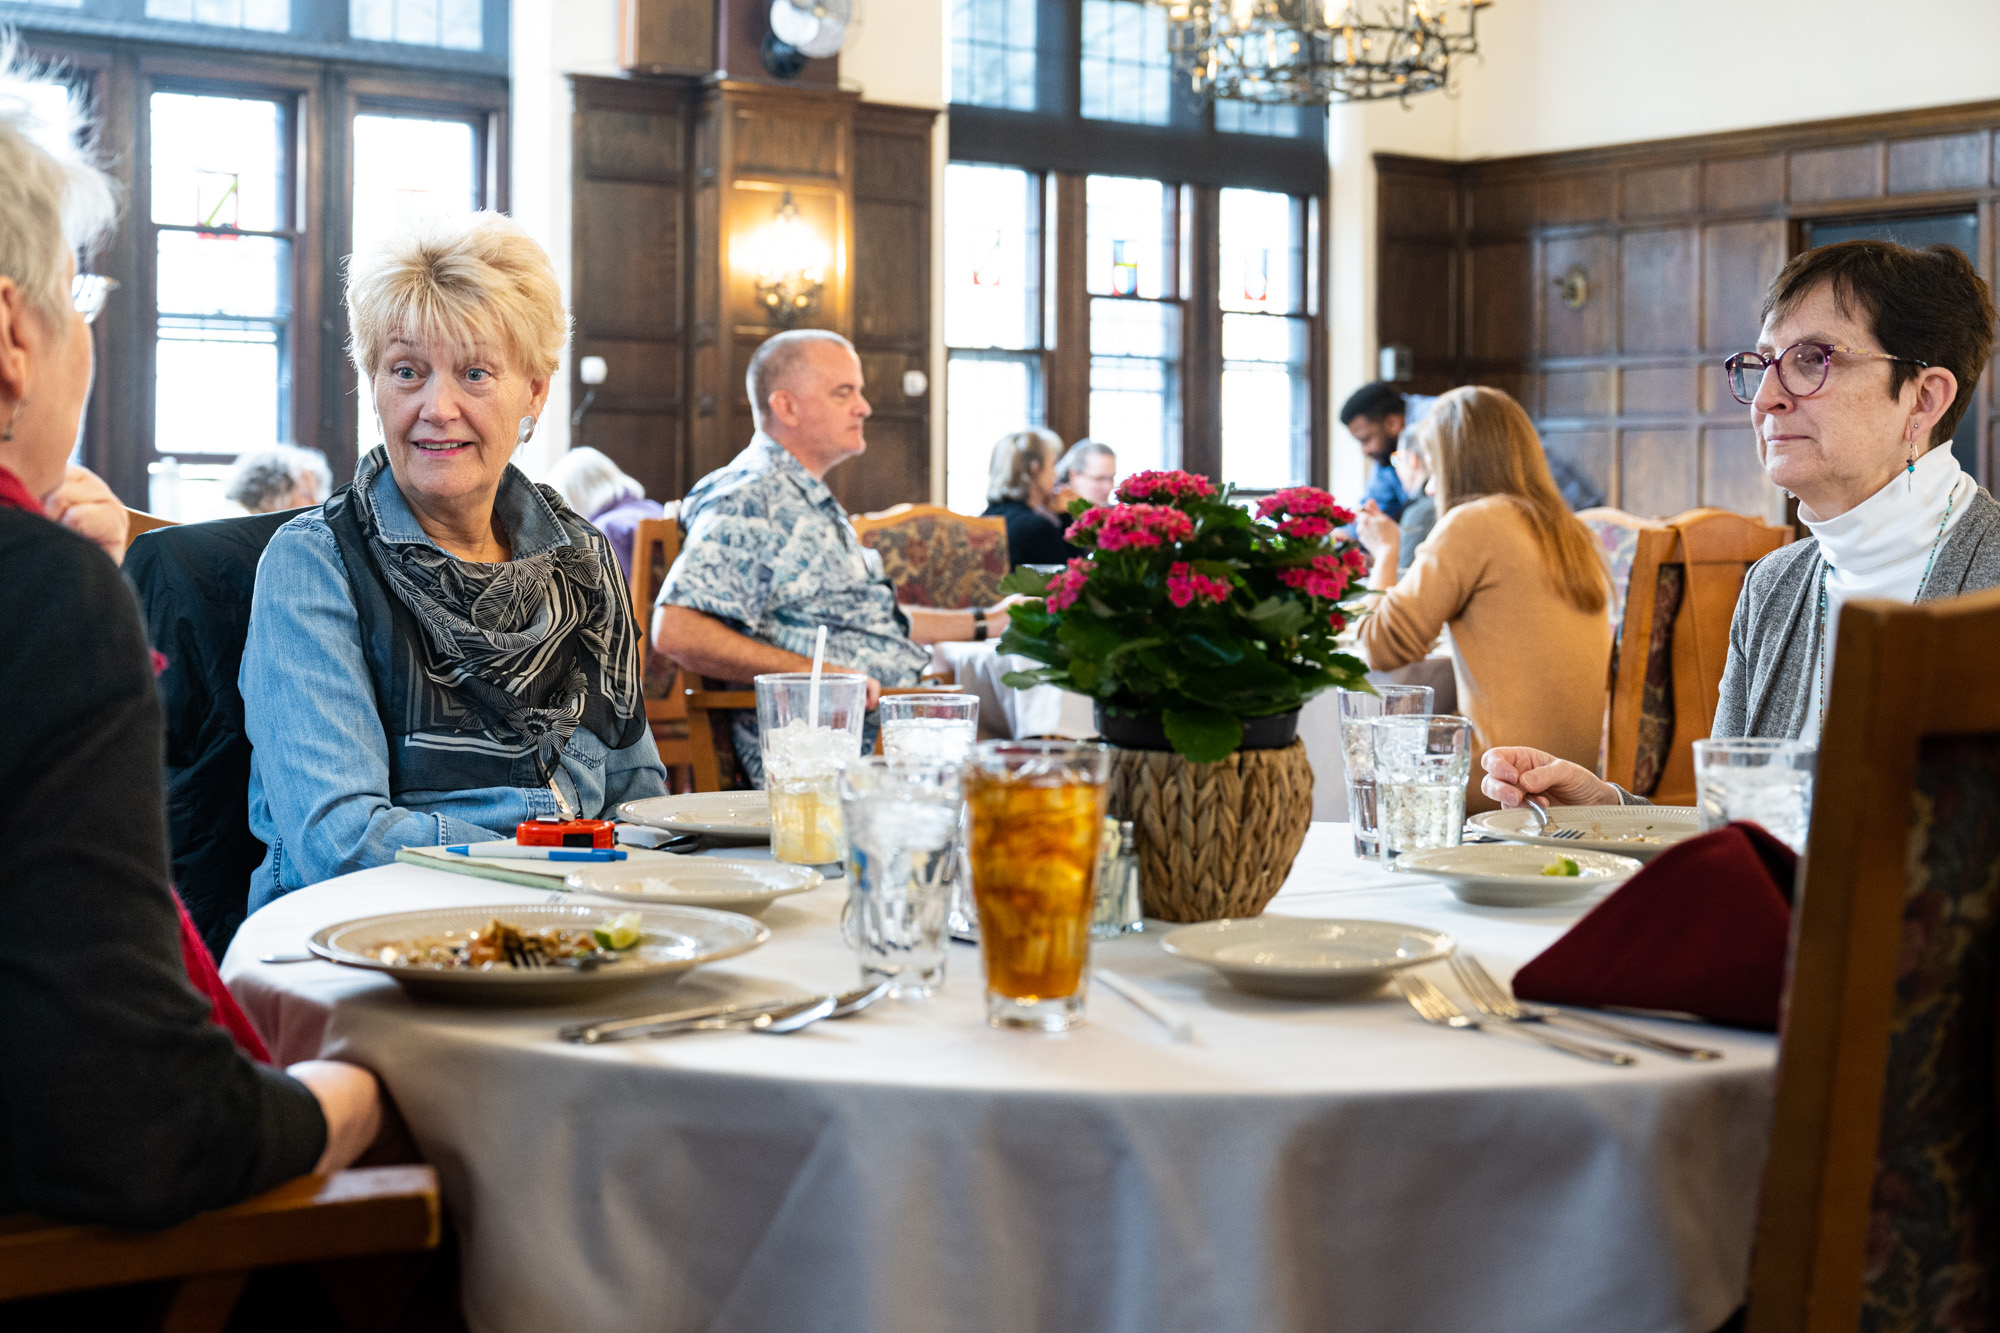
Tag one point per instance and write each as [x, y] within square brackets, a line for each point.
[1479, 442]
[1016, 460]
[457, 279]
[52, 194]
[591, 482]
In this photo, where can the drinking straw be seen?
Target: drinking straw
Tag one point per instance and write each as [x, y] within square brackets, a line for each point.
[812, 693]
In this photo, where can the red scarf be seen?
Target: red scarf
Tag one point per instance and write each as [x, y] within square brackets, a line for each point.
[194, 953]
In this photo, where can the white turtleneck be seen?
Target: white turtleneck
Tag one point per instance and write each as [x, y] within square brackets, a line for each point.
[1881, 547]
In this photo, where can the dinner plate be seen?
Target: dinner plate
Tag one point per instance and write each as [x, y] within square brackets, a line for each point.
[740, 816]
[1501, 874]
[729, 886]
[674, 940]
[1638, 831]
[1302, 958]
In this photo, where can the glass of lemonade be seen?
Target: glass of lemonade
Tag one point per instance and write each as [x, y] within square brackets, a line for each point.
[1357, 708]
[937, 728]
[902, 819]
[804, 745]
[1422, 764]
[1037, 812]
[1765, 782]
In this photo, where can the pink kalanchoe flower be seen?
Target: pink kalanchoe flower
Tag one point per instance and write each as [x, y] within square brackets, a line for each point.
[1184, 584]
[1306, 527]
[1142, 486]
[1086, 522]
[1068, 585]
[1337, 621]
[1356, 560]
[1302, 500]
[1141, 525]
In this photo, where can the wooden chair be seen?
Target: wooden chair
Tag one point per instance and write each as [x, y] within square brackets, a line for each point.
[370, 1211]
[1646, 594]
[138, 521]
[936, 557]
[1881, 1197]
[656, 544]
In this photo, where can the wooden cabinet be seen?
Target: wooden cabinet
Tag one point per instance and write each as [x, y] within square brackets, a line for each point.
[674, 180]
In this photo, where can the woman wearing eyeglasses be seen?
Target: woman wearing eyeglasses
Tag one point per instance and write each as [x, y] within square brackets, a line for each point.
[1869, 357]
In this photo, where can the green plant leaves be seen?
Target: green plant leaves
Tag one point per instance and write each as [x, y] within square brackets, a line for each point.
[1202, 735]
[1025, 580]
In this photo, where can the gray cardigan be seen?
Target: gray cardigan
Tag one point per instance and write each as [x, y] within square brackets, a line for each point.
[1767, 682]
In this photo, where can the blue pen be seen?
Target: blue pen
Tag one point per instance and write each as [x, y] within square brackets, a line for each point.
[513, 851]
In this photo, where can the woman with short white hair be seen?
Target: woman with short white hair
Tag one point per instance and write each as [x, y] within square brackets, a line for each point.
[284, 476]
[1021, 488]
[445, 649]
[614, 502]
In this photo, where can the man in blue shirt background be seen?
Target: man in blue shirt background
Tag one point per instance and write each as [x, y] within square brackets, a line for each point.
[1375, 415]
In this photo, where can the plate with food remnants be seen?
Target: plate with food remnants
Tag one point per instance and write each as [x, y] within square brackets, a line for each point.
[1499, 874]
[519, 953]
[1638, 831]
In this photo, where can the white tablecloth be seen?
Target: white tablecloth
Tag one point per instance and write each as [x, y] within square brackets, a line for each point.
[1006, 712]
[1301, 1165]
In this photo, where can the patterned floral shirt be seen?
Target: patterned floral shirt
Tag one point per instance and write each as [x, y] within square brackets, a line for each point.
[769, 552]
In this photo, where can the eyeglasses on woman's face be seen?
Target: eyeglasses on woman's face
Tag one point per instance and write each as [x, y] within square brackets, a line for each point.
[87, 292]
[1803, 368]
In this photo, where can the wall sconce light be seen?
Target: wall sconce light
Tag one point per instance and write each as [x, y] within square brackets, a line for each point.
[791, 266]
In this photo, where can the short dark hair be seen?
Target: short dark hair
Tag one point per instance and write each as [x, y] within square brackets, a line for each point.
[1928, 305]
[1375, 401]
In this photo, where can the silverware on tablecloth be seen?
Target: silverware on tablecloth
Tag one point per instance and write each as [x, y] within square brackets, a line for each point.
[288, 958]
[712, 1018]
[1434, 1006]
[1493, 998]
[1173, 1020]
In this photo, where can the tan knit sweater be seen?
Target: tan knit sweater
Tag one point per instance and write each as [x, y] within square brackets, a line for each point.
[1531, 668]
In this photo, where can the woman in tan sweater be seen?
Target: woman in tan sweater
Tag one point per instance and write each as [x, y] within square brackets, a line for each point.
[1511, 571]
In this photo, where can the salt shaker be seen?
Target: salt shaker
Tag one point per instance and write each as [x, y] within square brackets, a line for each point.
[1117, 910]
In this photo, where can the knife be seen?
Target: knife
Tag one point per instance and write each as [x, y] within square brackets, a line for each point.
[611, 1029]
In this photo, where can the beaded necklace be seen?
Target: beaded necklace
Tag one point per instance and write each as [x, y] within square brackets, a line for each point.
[1825, 569]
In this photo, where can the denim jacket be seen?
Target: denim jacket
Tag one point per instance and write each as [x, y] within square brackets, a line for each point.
[319, 764]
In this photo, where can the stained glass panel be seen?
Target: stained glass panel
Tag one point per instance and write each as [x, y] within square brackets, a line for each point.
[218, 162]
[1129, 240]
[993, 249]
[1262, 245]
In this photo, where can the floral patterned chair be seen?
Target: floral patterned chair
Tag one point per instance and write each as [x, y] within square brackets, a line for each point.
[936, 557]
[1646, 588]
[1881, 1200]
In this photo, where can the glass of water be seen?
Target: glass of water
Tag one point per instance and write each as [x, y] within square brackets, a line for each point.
[903, 852]
[937, 729]
[807, 730]
[1764, 782]
[1357, 748]
[1421, 767]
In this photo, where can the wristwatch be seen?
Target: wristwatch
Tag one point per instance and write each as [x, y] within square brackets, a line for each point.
[979, 624]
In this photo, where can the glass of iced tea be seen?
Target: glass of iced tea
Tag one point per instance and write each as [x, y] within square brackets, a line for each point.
[804, 742]
[1037, 810]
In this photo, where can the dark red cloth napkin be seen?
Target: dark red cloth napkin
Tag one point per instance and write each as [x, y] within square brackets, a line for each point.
[222, 1005]
[1702, 929]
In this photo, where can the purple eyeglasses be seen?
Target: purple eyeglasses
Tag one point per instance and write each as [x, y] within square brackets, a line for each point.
[1802, 368]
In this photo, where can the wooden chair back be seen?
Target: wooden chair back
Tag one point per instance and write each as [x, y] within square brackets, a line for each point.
[656, 544]
[1646, 584]
[138, 521]
[936, 557]
[1881, 1198]
[1717, 548]
[353, 1214]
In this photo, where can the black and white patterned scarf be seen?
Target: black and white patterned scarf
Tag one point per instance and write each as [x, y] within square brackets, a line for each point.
[507, 636]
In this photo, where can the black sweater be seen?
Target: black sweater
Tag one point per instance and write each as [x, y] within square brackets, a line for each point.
[1033, 538]
[120, 1101]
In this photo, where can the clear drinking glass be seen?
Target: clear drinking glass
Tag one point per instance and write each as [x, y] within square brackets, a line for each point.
[1037, 821]
[1764, 782]
[938, 728]
[1421, 768]
[1357, 748]
[804, 743]
[903, 845]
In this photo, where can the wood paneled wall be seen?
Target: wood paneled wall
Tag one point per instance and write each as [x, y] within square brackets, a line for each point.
[1679, 240]
[667, 170]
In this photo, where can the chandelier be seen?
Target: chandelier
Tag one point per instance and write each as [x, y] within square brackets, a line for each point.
[1311, 52]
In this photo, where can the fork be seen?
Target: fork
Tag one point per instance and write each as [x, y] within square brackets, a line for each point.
[519, 955]
[1434, 1006]
[1543, 829]
[1492, 998]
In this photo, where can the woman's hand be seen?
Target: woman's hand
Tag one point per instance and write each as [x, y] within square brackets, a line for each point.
[86, 506]
[1378, 532]
[1516, 772]
[351, 1101]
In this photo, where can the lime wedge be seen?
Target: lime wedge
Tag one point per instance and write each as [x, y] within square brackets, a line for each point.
[1562, 865]
[620, 932]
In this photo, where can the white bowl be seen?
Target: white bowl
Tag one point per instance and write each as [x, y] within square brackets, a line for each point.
[673, 941]
[1640, 831]
[1498, 874]
[707, 881]
[1302, 958]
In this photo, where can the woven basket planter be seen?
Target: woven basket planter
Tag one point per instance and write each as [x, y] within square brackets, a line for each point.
[1215, 840]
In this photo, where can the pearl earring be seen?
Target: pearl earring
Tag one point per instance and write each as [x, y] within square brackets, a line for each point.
[527, 431]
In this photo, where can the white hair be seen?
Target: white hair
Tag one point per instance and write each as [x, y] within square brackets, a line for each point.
[52, 195]
[772, 364]
[591, 482]
[1017, 457]
[265, 479]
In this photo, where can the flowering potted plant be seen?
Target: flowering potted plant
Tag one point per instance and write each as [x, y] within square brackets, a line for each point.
[1196, 625]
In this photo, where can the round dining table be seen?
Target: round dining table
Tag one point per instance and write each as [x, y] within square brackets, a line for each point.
[1319, 1165]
